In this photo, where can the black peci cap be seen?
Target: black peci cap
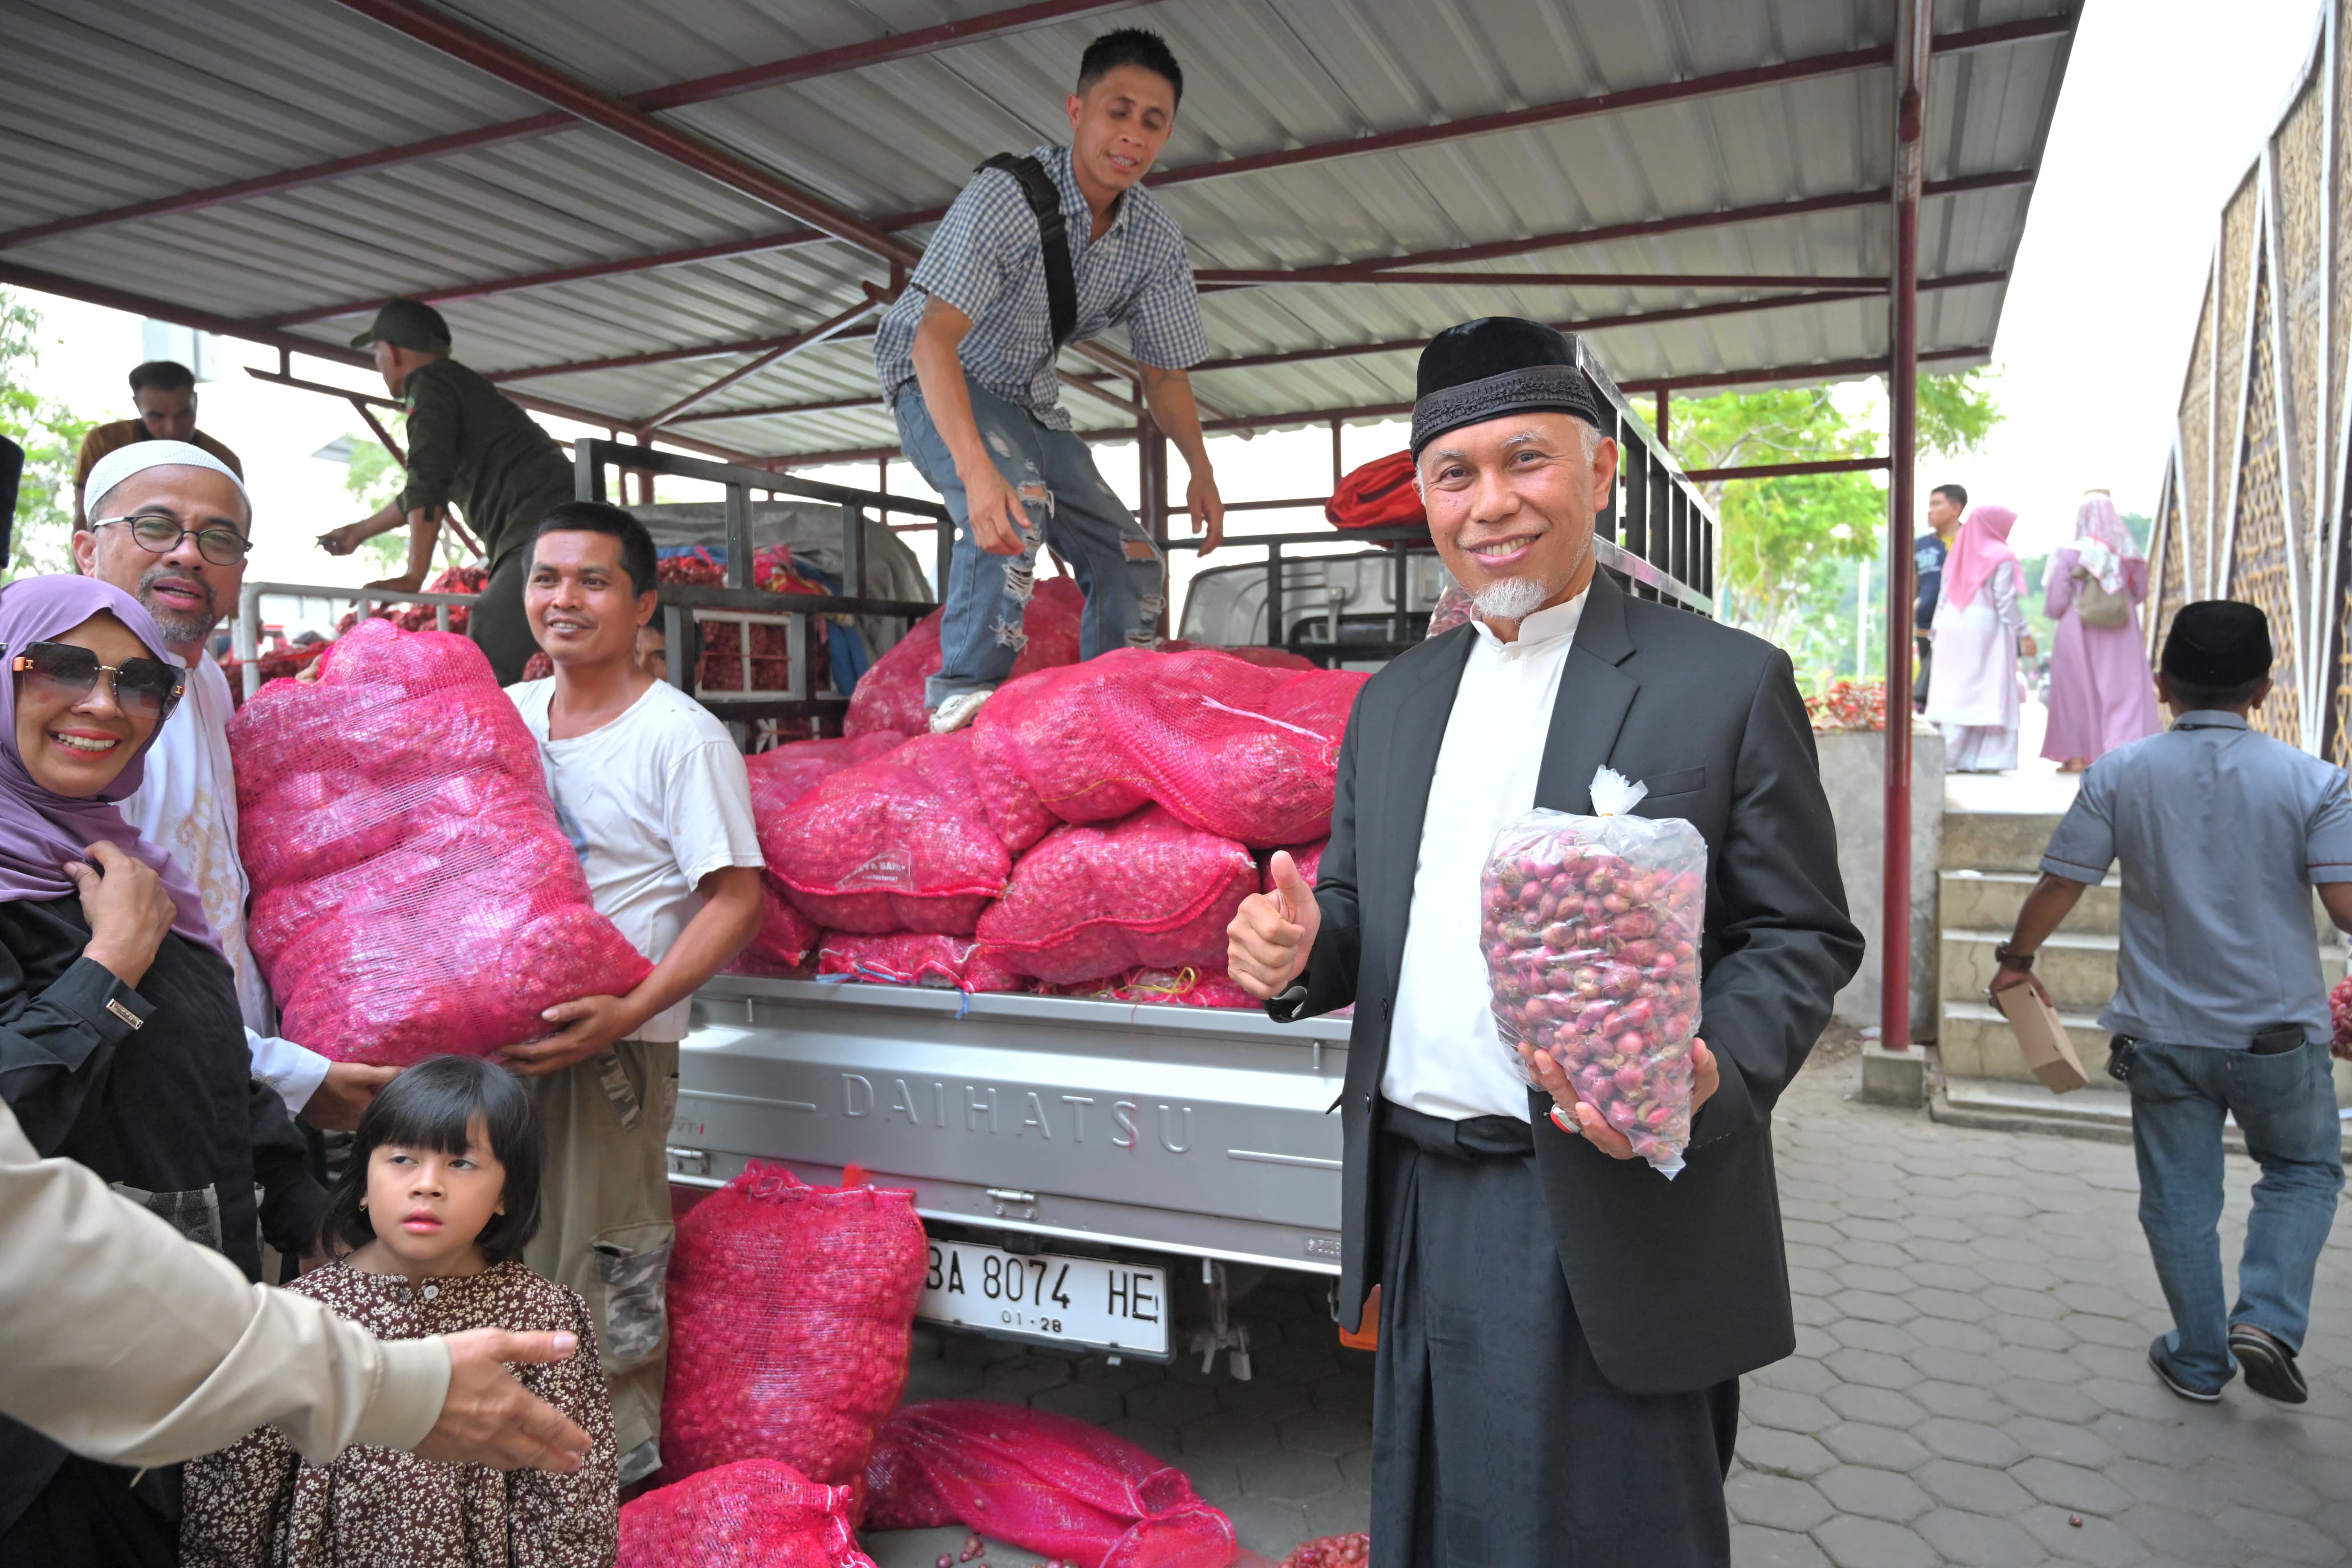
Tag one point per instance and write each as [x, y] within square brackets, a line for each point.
[1496, 365]
[2216, 643]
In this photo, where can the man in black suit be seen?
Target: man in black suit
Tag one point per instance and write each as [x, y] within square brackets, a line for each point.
[1562, 1327]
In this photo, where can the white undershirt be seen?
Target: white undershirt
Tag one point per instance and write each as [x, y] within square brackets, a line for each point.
[1446, 1058]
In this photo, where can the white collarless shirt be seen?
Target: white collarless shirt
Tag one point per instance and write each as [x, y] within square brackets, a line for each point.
[1445, 1058]
[186, 806]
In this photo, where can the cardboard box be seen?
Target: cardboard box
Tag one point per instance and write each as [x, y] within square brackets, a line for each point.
[2042, 1038]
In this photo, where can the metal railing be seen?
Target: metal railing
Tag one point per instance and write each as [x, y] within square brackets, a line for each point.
[681, 604]
[245, 636]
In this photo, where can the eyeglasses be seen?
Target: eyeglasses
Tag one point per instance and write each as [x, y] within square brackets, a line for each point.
[160, 533]
[145, 689]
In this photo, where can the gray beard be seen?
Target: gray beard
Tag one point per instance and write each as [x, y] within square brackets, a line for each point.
[179, 628]
[1508, 599]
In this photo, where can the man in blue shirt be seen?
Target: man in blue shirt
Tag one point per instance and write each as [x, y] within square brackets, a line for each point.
[2219, 1006]
[966, 362]
[1946, 503]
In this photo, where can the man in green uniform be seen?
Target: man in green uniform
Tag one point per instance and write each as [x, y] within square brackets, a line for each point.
[467, 443]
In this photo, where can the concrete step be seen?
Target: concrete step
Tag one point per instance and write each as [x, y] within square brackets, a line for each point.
[1990, 900]
[2100, 1111]
[1996, 840]
[2078, 967]
[1974, 1041]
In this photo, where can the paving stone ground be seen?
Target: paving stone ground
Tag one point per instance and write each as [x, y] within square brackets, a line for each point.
[1974, 1310]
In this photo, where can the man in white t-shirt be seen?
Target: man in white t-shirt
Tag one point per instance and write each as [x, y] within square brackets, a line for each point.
[655, 798]
[140, 496]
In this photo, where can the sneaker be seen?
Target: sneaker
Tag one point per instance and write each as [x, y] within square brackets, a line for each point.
[957, 711]
[2165, 1376]
[2269, 1365]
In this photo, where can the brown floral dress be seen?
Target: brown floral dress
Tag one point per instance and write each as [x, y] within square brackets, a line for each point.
[257, 1503]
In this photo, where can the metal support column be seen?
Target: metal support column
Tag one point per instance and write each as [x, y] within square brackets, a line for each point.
[1913, 38]
[1665, 405]
[1153, 445]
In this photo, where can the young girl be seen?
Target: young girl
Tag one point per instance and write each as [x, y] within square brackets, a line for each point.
[430, 1216]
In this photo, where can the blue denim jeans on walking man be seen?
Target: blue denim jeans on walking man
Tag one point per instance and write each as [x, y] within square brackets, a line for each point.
[2286, 1106]
[1119, 568]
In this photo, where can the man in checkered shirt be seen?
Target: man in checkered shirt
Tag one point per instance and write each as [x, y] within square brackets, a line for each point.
[966, 361]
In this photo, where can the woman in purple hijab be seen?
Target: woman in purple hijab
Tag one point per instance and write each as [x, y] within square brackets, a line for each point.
[121, 1045]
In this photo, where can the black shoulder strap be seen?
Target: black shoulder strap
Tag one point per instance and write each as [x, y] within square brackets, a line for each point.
[1052, 236]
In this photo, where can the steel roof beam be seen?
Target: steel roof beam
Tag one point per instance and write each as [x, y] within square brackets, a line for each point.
[439, 30]
[261, 333]
[701, 90]
[1264, 277]
[1694, 86]
[830, 326]
[1837, 64]
[1831, 370]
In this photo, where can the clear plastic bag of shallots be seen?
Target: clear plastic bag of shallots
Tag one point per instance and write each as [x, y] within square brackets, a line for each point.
[1592, 930]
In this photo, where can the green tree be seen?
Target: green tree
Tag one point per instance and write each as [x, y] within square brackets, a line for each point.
[1784, 563]
[51, 436]
[372, 478]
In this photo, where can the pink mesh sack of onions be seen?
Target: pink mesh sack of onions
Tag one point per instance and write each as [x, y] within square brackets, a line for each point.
[896, 843]
[1592, 936]
[889, 696]
[791, 1308]
[1047, 1482]
[753, 1513]
[1091, 902]
[915, 958]
[413, 891]
[1234, 748]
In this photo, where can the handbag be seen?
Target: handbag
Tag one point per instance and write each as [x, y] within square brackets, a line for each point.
[2095, 606]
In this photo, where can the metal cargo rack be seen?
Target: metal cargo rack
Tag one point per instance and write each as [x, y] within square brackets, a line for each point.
[685, 607]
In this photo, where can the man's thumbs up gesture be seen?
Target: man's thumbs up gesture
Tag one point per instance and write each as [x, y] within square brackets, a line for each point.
[1272, 934]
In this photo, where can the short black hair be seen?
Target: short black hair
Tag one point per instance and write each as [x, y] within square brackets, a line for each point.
[1959, 493]
[1129, 47]
[637, 555]
[2193, 696]
[433, 1106]
[163, 375]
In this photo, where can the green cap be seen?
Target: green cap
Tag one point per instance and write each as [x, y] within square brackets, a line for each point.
[408, 324]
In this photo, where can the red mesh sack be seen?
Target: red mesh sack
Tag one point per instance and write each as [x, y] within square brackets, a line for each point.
[1090, 902]
[1048, 1483]
[890, 695]
[914, 958]
[781, 775]
[413, 892]
[1174, 988]
[1308, 857]
[754, 1513]
[897, 843]
[1381, 494]
[783, 940]
[789, 1310]
[1239, 750]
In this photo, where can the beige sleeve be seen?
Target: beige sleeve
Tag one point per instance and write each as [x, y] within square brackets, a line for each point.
[130, 1344]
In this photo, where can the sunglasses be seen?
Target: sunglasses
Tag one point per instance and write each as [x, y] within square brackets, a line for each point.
[145, 689]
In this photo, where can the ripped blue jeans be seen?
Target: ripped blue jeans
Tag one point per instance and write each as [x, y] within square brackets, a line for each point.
[1119, 568]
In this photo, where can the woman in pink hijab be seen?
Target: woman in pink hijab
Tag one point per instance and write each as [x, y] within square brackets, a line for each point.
[2101, 693]
[1979, 631]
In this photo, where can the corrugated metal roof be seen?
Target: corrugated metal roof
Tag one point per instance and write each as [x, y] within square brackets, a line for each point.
[107, 102]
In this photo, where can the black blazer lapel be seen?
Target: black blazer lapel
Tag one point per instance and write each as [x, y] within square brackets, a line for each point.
[1595, 693]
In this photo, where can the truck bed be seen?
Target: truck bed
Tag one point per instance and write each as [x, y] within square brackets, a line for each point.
[1198, 1132]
